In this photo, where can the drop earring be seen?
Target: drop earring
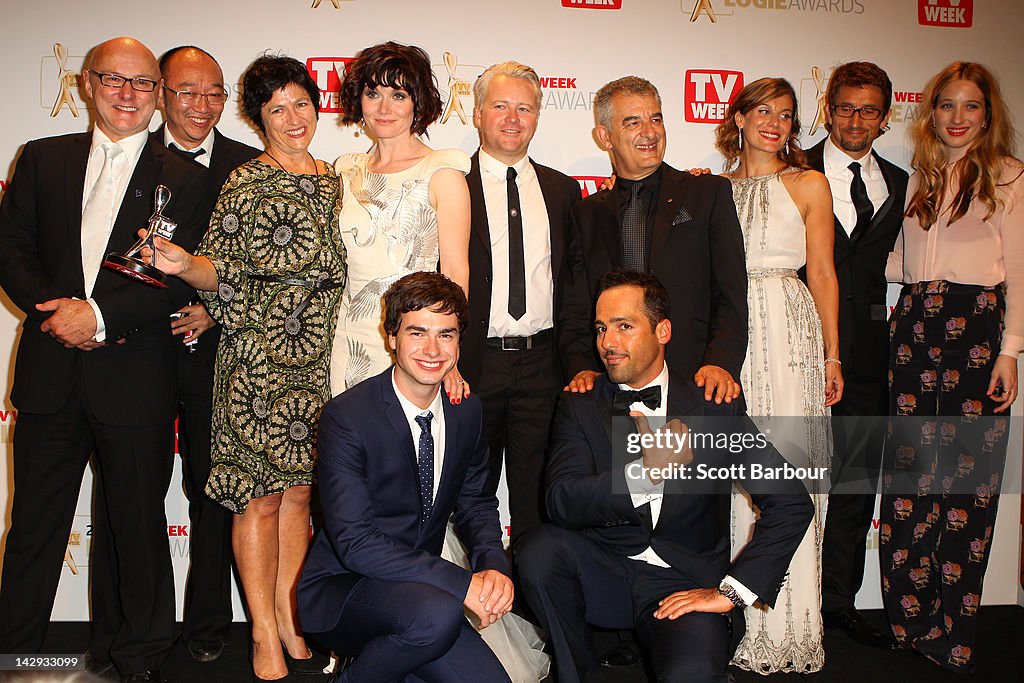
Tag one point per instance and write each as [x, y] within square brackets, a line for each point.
[787, 146]
[739, 140]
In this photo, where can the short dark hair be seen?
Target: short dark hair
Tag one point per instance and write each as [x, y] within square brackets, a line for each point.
[656, 301]
[266, 76]
[397, 66]
[166, 57]
[420, 290]
[857, 75]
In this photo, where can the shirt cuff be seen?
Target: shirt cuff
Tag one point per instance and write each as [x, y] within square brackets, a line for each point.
[748, 597]
[641, 489]
[101, 328]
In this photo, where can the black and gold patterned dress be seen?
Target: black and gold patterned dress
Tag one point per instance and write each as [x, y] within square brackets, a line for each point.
[273, 241]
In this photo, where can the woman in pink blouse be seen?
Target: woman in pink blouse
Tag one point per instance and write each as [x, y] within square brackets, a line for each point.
[955, 336]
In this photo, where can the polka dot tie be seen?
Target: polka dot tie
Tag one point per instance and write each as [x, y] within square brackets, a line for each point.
[426, 465]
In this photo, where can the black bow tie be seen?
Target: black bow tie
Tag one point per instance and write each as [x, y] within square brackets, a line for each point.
[650, 397]
[185, 153]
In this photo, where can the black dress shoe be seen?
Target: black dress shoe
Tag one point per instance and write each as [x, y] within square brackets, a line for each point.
[206, 650]
[857, 628]
[314, 664]
[95, 666]
[621, 656]
[143, 676]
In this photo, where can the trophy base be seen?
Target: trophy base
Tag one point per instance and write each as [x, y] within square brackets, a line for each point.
[136, 269]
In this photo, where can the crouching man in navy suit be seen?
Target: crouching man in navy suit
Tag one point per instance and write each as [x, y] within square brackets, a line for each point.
[649, 549]
[396, 460]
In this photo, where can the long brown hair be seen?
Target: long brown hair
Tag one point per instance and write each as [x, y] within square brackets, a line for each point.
[727, 135]
[978, 172]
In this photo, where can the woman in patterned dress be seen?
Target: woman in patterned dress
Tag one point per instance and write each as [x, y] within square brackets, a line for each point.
[792, 367]
[955, 335]
[270, 269]
[406, 205]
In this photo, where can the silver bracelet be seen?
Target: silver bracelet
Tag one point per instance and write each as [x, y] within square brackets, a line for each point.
[834, 360]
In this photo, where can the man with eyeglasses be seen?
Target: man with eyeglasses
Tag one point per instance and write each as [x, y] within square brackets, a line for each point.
[95, 364]
[867, 197]
[194, 95]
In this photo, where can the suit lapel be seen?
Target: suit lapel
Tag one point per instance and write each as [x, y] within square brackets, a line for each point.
[608, 223]
[453, 450]
[480, 227]
[396, 416]
[553, 204]
[680, 404]
[75, 165]
[669, 203]
[137, 204]
[886, 206]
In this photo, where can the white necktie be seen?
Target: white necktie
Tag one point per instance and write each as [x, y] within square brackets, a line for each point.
[98, 216]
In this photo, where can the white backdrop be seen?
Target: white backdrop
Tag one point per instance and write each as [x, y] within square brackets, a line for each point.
[698, 52]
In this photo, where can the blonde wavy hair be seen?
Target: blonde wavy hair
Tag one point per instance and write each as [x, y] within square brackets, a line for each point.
[978, 172]
[727, 135]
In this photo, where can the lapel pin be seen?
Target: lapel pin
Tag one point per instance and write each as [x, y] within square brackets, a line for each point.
[138, 193]
[669, 200]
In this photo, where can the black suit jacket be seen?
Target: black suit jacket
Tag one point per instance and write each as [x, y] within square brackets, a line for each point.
[41, 259]
[696, 252]
[561, 193]
[586, 490]
[369, 486]
[860, 267]
[228, 155]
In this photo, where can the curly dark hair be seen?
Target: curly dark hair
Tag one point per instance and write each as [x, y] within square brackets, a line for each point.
[420, 290]
[857, 75]
[656, 301]
[266, 76]
[397, 66]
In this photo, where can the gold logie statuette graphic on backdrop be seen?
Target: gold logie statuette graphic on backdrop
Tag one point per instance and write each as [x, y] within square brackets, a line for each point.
[703, 7]
[336, 3]
[68, 83]
[74, 539]
[821, 85]
[457, 87]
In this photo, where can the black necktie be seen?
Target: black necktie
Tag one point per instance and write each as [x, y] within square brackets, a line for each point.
[650, 397]
[634, 231]
[516, 256]
[425, 461]
[861, 202]
[193, 155]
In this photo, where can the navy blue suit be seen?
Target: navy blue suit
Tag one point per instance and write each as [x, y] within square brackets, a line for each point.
[374, 573]
[577, 570]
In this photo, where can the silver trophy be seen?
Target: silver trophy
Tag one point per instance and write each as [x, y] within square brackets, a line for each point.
[129, 264]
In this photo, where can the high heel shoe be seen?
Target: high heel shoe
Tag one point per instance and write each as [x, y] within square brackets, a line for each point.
[314, 664]
[256, 677]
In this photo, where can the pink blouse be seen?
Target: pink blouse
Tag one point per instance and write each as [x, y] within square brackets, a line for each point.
[973, 250]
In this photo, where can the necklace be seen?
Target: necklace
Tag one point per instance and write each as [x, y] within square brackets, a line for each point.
[315, 167]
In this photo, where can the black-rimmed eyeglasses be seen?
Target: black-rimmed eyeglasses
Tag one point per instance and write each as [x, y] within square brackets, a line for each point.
[847, 111]
[118, 81]
[189, 98]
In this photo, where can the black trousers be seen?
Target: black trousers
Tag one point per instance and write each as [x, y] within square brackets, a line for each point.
[519, 390]
[133, 465]
[858, 434]
[570, 581]
[409, 632]
[208, 587]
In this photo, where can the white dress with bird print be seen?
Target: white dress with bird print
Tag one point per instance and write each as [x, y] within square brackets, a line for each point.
[390, 230]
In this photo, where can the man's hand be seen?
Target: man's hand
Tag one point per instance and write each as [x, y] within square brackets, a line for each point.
[72, 323]
[582, 382]
[489, 597]
[717, 382]
[696, 600]
[193, 321]
[699, 171]
[676, 440]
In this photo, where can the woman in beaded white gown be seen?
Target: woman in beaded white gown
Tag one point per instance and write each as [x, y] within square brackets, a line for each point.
[791, 370]
[405, 208]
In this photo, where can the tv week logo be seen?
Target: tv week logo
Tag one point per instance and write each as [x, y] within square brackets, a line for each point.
[708, 93]
[328, 72]
[590, 184]
[593, 4]
[955, 13]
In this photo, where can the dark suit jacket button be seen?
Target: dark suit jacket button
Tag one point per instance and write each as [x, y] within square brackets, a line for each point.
[849, 297]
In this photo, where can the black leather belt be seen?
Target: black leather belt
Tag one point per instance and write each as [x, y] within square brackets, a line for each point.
[520, 343]
[321, 284]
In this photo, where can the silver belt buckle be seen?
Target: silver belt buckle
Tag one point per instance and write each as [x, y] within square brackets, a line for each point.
[506, 348]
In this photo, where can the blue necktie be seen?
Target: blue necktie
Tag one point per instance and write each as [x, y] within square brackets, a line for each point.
[425, 460]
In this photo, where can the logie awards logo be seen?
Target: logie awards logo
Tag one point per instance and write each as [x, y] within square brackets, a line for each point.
[460, 79]
[713, 9]
[61, 92]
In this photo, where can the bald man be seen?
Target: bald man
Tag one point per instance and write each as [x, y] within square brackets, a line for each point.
[95, 364]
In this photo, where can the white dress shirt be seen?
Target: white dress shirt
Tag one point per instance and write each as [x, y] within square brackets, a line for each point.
[412, 411]
[536, 247]
[123, 168]
[840, 177]
[646, 492]
[207, 145]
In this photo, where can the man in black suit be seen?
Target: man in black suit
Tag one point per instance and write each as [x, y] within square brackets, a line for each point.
[397, 460]
[682, 228]
[868, 194]
[95, 365]
[649, 548]
[194, 95]
[520, 223]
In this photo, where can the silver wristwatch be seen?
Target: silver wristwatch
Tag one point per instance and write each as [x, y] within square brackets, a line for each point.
[728, 591]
